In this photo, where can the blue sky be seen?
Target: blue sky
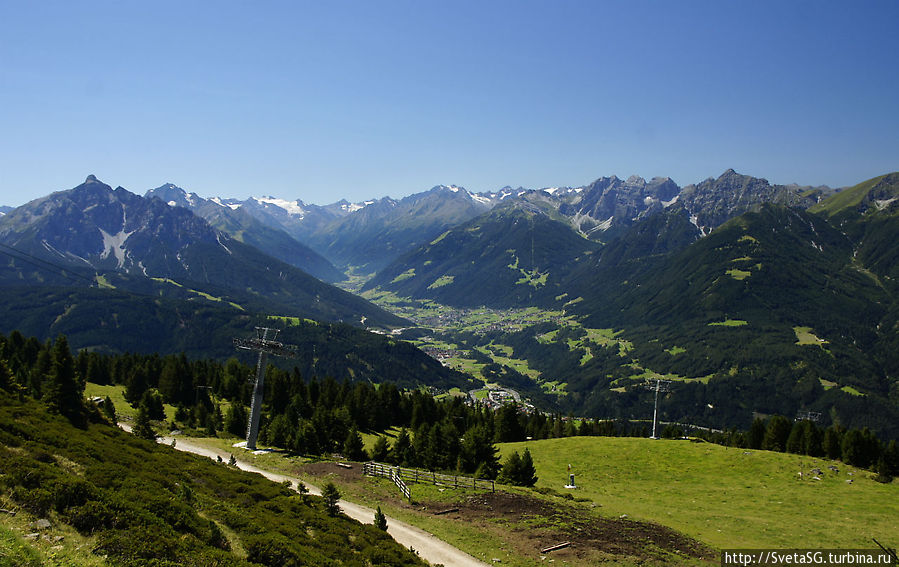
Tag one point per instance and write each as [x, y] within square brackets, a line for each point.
[327, 100]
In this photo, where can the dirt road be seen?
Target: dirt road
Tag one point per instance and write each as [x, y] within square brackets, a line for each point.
[427, 545]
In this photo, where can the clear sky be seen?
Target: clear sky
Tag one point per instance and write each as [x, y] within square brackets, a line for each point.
[323, 100]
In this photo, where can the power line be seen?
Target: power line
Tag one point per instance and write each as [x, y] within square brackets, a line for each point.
[40, 263]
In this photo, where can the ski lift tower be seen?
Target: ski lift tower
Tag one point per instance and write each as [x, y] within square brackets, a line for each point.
[657, 386]
[265, 344]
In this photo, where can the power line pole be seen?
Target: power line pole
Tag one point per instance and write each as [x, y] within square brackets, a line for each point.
[265, 344]
[658, 386]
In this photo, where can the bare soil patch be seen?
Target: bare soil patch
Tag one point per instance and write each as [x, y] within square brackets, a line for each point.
[535, 524]
[529, 524]
[340, 473]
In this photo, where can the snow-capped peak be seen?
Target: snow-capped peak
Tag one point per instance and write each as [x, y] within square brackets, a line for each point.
[292, 207]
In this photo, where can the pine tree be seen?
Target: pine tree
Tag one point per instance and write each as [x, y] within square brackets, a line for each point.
[832, 443]
[796, 439]
[479, 454]
[381, 450]
[528, 472]
[8, 381]
[236, 419]
[63, 393]
[142, 426]
[109, 410]
[511, 471]
[331, 496]
[354, 447]
[137, 385]
[380, 520]
[403, 453]
[883, 471]
[777, 433]
[756, 434]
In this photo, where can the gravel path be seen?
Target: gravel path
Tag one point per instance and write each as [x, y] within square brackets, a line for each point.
[428, 546]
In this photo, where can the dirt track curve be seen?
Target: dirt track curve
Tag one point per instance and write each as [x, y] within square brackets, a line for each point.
[429, 548]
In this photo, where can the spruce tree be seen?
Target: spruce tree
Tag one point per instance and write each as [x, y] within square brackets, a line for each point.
[236, 419]
[479, 454]
[883, 471]
[381, 450]
[777, 433]
[403, 453]
[109, 410]
[511, 471]
[63, 394]
[353, 446]
[380, 520]
[142, 426]
[831, 446]
[331, 496]
[528, 472]
[756, 434]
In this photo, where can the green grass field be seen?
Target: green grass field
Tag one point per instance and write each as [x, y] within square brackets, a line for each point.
[725, 497]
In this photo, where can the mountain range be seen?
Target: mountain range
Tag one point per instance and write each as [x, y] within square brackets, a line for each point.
[96, 234]
[753, 297]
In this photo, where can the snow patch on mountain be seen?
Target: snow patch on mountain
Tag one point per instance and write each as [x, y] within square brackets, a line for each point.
[115, 244]
[606, 224]
[218, 238]
[353, 207]
[292, 207]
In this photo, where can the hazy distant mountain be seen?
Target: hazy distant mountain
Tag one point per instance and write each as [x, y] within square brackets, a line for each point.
[368, 236]
[510, 256]
[146, 245]
[371, 237]
[296, 218]
[4, 209]
[237, 222]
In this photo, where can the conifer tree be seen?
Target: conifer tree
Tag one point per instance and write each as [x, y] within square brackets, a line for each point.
[63, 394]
[8, 381]
[511, 471]
[479, 454]
[883, 471]
[331, 496]
[142, 426]
[380, 520]
[832, 443]
[756, 434]
[381, 450]
[109, 410]
[403, 453]
[236, 419]
[353, 446]
[777, 433]
[528, 472]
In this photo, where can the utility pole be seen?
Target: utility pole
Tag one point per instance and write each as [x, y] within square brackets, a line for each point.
[265, 344]
[658, 385]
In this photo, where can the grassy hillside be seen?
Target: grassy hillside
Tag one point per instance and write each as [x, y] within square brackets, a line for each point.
[512, 256]
[852, 197]
[138, 503]
[727, 498]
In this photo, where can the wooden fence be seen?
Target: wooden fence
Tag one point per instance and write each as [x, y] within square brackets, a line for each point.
[402, 477]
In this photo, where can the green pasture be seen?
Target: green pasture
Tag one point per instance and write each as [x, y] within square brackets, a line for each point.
[725, 497]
